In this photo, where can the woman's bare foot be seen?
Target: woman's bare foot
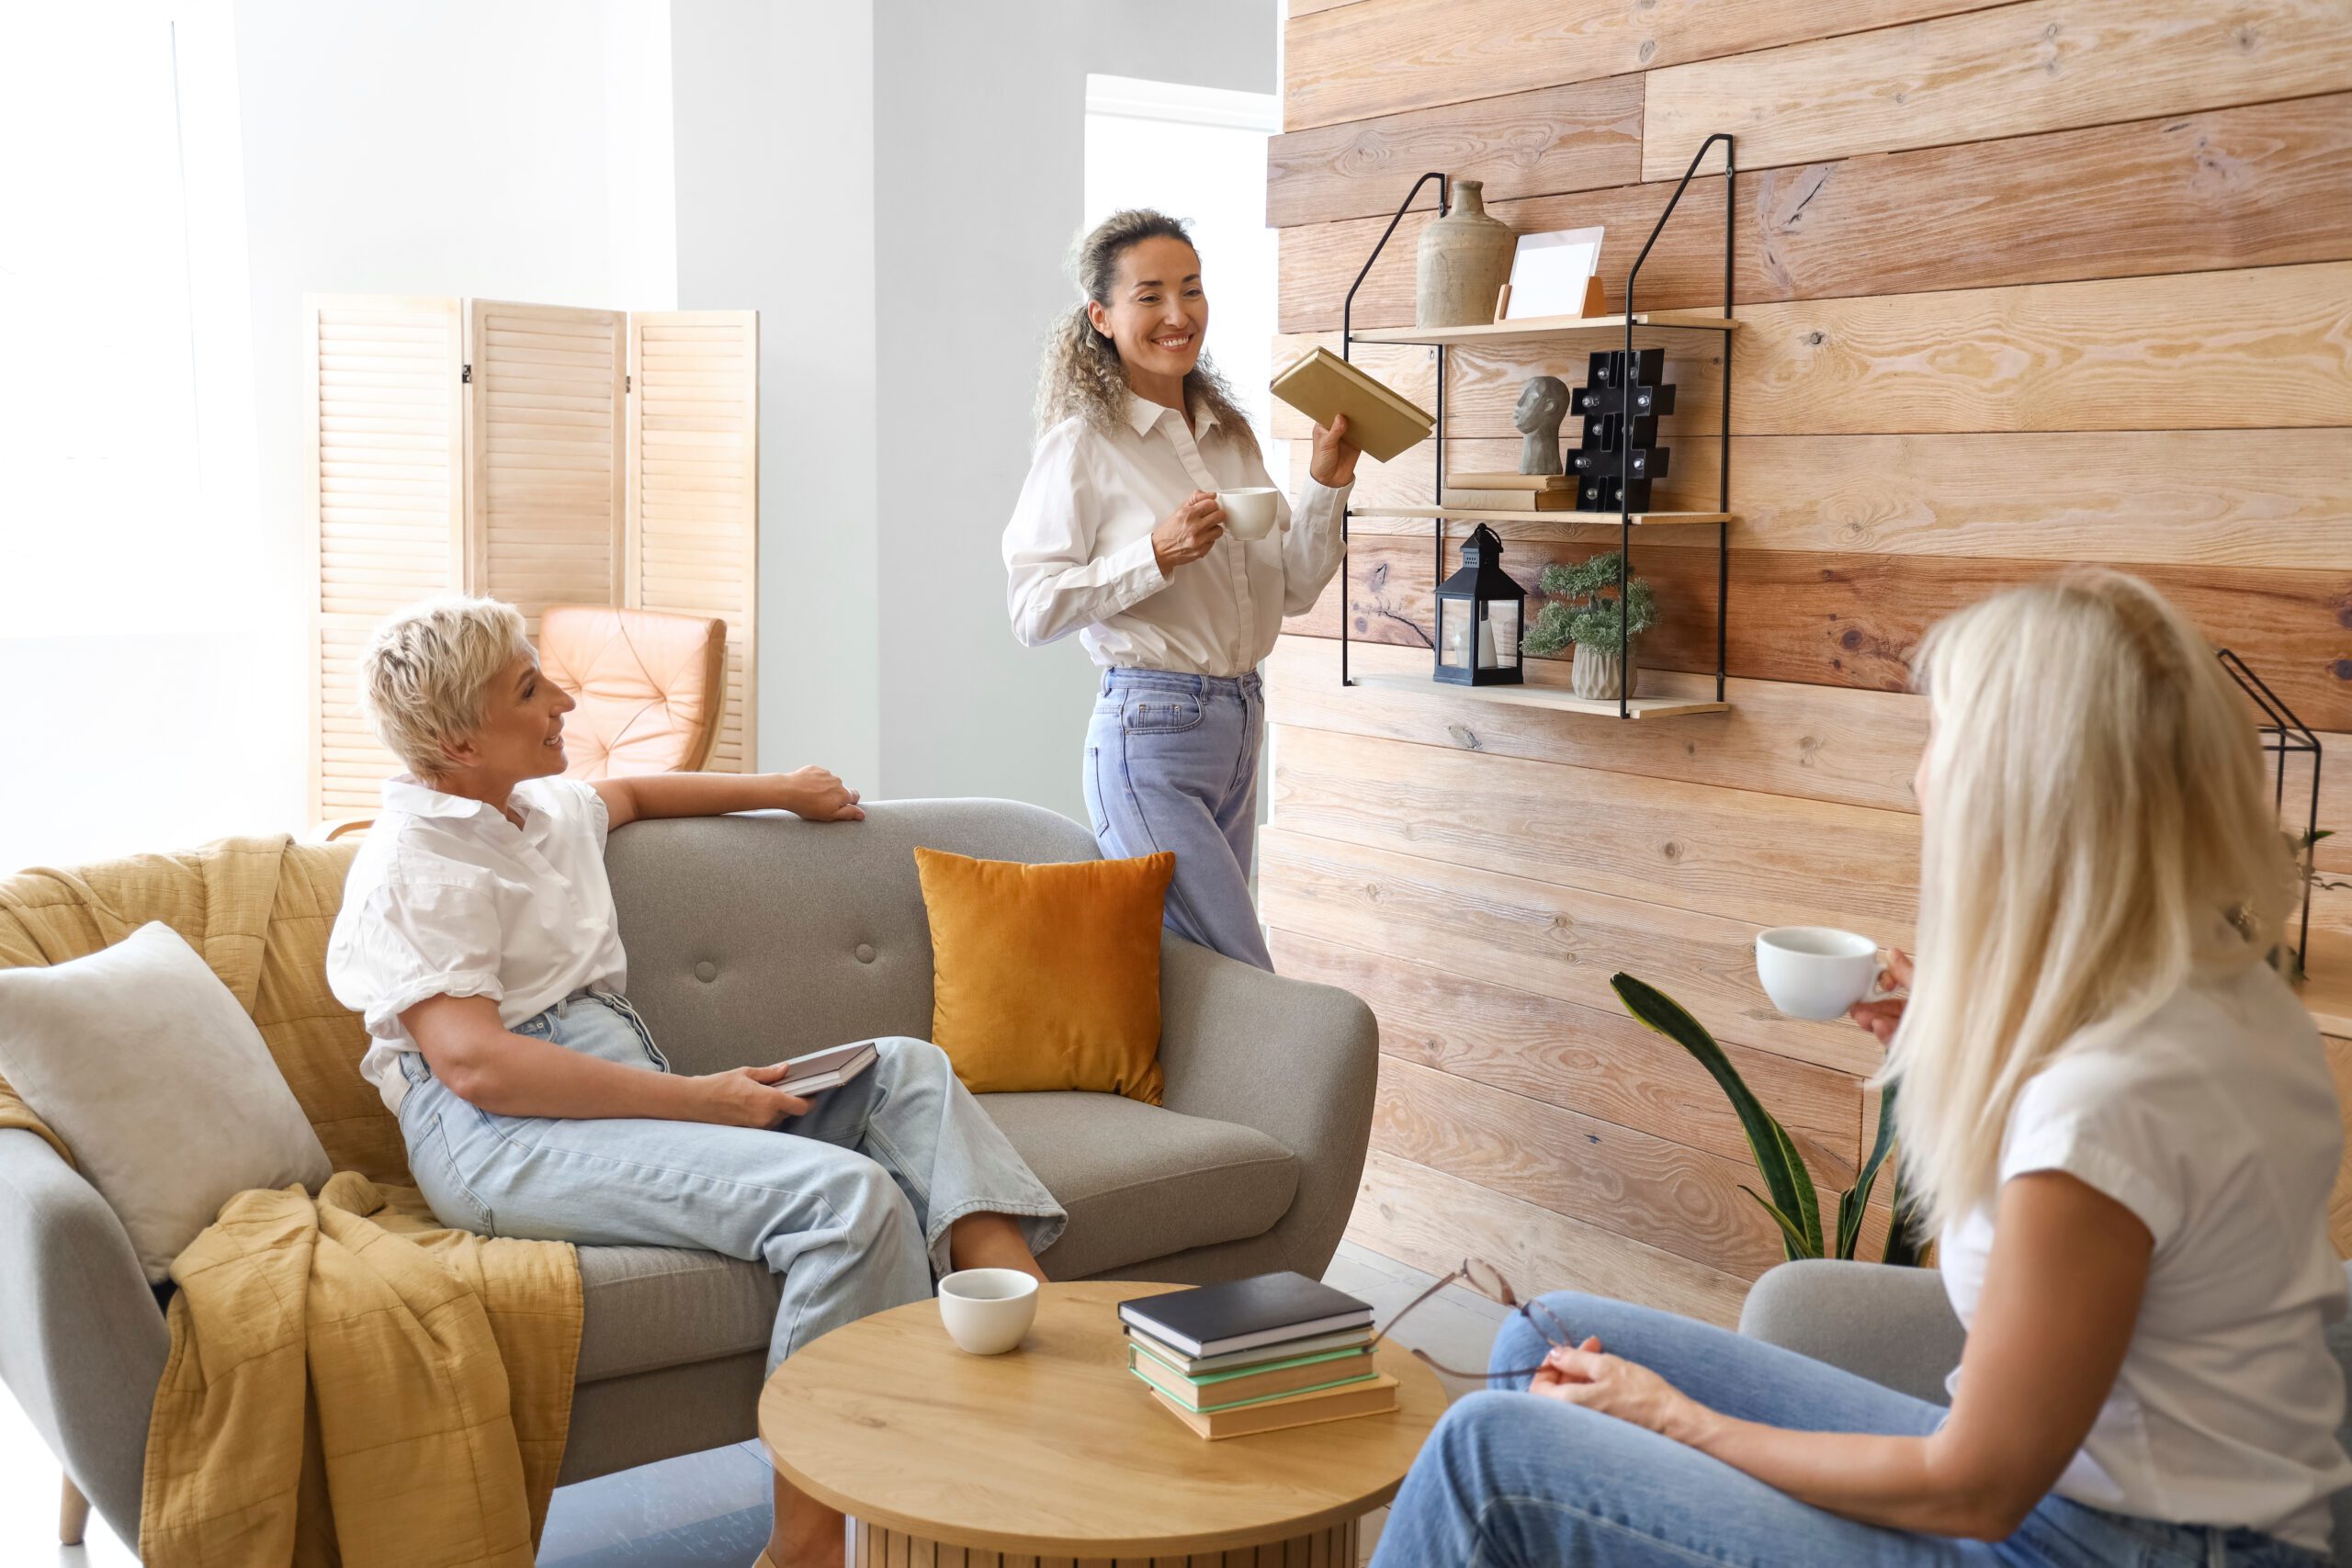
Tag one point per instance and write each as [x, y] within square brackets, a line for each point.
[991, 1241]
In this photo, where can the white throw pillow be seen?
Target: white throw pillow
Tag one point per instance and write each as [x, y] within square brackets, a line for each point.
[145, 1064]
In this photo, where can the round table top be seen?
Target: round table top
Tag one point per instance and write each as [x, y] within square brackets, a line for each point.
[1055, 1448]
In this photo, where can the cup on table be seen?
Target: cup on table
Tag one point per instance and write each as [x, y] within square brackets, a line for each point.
[1249, 514]
[1816, 971]
[988, 1310]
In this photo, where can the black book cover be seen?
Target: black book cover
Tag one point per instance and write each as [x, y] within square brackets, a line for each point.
[1263, 1304]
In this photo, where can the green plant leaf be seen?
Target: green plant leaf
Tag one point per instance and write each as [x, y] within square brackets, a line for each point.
[1850, 1227]
[1784, 1175]
[1793, 1241]
[1902, 1247]
[1849, 1223]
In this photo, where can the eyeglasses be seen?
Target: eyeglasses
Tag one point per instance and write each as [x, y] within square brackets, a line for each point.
[1484, 1279]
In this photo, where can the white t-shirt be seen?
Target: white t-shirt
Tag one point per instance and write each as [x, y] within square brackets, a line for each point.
[447, 897]
[2215, 1121]
[1078, 553]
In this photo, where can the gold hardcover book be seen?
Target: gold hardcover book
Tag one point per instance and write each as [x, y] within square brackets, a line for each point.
[1511, 499]
[1513, 482]
[1321, 386]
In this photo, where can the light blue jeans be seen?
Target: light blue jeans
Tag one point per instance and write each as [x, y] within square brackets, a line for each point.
[1171, 764]
[1508, 1479]
[849, 1203]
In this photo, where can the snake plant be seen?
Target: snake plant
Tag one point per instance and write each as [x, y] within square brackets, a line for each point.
[1793, 1202]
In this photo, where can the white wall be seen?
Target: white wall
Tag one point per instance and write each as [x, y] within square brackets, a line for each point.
[893, 183]
[775, 211]
[433, 147]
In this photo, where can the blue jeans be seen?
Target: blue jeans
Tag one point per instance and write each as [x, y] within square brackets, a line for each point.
[849, 1204]
[1171, 764]
[1510, 1478]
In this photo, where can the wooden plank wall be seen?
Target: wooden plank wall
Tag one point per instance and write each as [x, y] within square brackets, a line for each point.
[2019, 285]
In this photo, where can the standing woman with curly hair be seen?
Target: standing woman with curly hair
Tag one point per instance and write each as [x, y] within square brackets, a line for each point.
[1118, 536]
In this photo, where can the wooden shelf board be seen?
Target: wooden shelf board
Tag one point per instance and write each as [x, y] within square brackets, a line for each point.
[1545, 519]
[1545, 329]
[1545, 697]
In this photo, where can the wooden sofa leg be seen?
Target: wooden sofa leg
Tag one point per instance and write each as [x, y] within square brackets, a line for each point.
[72, 1514]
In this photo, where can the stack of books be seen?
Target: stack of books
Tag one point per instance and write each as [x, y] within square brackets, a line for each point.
[1257, 1355]
[1512, 492]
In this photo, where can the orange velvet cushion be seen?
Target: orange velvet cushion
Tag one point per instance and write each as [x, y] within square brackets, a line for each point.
[1047, 976]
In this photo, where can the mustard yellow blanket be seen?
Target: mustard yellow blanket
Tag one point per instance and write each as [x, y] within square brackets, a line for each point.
[349, 1383]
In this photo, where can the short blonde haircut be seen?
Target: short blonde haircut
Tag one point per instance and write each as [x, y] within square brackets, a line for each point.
[425, 676]
[2096, 832]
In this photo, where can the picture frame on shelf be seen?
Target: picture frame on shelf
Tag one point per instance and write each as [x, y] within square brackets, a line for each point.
[1555, 274]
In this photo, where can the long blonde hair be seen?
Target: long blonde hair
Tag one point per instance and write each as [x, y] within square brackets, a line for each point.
[1083, 373]
[2097, 829]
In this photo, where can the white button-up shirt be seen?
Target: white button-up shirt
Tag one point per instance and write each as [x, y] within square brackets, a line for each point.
[447, 897]
[1078, 552]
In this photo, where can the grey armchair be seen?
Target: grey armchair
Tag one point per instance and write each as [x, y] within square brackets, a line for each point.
[752, 938]
[1894, 1326]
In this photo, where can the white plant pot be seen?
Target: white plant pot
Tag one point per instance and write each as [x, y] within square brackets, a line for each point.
[1593, 673]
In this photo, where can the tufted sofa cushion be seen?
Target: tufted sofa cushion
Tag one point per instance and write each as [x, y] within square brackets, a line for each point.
[650, 686]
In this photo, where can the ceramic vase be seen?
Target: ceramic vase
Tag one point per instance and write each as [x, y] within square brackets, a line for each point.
[1464, 261]
[1592, 674]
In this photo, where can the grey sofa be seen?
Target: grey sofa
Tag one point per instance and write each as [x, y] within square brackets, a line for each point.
[752, 938]
[1894, 1326]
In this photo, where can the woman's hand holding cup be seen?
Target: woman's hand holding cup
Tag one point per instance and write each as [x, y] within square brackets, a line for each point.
[1882, 1015]
[1188, 533]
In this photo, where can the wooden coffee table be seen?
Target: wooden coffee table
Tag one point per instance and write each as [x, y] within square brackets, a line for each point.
[1055, 1450]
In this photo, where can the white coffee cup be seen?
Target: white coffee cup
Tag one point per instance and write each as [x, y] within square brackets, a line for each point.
[988, 1310]
[1814, 971]
[1249, 514]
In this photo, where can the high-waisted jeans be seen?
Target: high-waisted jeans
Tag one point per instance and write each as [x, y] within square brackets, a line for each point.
[1171, 764]
[850, 1204]
[1509, 1480]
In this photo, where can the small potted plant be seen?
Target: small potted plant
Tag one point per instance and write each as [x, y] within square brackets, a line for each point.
[1582, 609]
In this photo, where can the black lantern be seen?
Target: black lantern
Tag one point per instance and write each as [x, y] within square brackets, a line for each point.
[1480, 611]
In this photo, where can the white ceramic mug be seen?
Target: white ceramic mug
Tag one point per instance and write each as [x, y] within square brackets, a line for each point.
[988, 1310]
[1249, 514]
[1816, 971]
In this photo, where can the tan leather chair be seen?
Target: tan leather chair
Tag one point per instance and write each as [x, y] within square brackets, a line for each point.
[650, 686]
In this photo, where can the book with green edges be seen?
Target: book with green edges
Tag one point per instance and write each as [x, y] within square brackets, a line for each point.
[1179, 1392]
[1277, 1380]
[1254, 1357]
[1366, 1396]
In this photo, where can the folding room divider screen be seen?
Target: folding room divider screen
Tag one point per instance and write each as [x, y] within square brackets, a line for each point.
[540, 453]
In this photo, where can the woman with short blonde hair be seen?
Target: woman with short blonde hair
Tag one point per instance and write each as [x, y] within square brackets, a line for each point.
[479, 942]
[2119, 1120]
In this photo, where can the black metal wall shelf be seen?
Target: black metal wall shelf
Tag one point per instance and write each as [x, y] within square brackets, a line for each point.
[1562, 524]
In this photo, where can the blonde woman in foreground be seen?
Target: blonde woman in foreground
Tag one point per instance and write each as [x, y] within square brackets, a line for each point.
[2121, 1121]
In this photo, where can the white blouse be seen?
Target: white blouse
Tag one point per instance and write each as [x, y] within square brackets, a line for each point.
[2214, 1120]
[447, 897]
[1078, 552]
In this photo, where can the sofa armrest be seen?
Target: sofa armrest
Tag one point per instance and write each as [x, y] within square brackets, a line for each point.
[1295, 1060]
[82, 1345]
[1893, 1325]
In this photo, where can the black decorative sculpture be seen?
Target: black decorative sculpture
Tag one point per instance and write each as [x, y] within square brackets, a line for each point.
[1598, 462]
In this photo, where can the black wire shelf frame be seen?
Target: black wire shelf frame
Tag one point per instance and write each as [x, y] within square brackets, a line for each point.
[1625, 394]
[2284, 735]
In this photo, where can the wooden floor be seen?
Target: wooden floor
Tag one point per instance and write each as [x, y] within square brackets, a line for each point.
[705, 1511]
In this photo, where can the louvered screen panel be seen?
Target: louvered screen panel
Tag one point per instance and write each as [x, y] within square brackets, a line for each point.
[386, 496]
[694, 491]
[547, 414]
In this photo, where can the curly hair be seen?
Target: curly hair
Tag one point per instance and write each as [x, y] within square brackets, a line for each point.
[1082, 374]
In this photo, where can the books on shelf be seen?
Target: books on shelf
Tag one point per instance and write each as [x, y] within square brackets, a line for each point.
[1560, 500]
[1257, 1355]
[1510, 481]
[1381, 420]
